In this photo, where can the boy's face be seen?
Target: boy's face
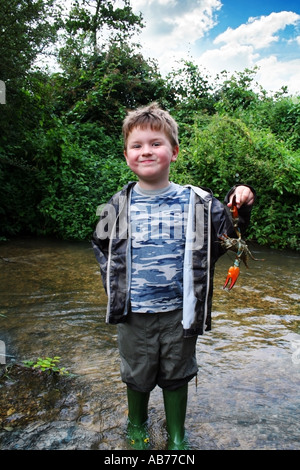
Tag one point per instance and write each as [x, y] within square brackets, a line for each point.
[149, 154]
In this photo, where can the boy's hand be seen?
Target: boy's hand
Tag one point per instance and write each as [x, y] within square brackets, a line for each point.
[243, 195]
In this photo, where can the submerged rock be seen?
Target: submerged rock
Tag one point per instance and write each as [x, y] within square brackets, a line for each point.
[33, 413]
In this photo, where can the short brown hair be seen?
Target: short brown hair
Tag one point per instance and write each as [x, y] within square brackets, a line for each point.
[152, 116]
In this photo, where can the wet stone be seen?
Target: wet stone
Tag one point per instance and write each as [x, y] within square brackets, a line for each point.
[31, 407]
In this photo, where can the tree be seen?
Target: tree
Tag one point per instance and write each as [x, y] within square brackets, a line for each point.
[191, 87]
[227, 151]
[80, 156]
[236, 92]
[27, 27]
[88, 18]
[107, 84]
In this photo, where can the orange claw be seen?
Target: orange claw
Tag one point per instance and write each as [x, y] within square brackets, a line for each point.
[234, 209]
[233, 274]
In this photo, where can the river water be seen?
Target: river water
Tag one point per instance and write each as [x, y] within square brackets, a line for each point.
[247, 394]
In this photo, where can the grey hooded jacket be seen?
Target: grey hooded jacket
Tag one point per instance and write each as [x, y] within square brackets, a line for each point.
[207, 220]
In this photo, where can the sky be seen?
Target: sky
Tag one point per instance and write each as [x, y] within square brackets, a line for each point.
[225, 35]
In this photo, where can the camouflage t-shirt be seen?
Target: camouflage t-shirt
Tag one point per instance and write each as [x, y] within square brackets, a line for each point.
[158, 221]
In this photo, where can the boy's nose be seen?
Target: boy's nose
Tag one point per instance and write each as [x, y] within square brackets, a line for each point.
[147, 150]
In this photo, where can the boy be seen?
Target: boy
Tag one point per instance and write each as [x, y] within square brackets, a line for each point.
[157, 243]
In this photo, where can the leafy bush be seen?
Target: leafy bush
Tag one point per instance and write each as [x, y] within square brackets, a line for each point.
[18, 197]
[75, 179]
[226, 152]
[61, 154]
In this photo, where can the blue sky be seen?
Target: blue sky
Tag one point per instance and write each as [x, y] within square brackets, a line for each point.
[226, 35]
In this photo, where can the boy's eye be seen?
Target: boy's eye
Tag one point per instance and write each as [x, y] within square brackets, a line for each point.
[156, 144]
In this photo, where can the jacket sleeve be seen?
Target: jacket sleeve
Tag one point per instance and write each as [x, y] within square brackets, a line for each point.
[100, 248]
[101, 239]
[244, 211]
[110, 222]
[221, 222]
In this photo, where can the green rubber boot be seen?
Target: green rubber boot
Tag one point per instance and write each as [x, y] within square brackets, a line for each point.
[175, 402]
[137, 430]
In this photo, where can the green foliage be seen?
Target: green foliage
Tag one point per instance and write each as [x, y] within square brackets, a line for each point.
[191, 89]
[104, 85]
[61, 153]
[47, 364]
[78, 169]
[236, 93]
[282, 116]
[226, 152]
[87, 18]
[26, 28]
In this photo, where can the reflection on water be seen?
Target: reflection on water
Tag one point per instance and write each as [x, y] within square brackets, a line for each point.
[247, 396]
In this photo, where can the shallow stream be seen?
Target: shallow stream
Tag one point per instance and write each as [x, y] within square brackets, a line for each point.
[247, 396]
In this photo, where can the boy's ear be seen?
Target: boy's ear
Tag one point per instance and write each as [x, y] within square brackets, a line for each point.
[125, 155]
[175, 153]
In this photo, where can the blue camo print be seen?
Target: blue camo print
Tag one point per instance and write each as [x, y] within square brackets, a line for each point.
[158, 221]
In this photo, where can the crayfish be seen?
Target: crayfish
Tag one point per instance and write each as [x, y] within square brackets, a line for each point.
[237, 245]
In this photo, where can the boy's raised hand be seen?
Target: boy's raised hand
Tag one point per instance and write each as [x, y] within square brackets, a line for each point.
[243, 195]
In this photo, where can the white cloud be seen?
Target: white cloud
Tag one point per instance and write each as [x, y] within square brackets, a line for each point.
[177, 29]
[176, 20]
[273, 74]
[229, 57]
[173, 26]
[259, 32]
[244, 46]
[192, 25]
[141, 4]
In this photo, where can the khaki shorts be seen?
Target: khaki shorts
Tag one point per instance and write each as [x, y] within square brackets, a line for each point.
[154, 352]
